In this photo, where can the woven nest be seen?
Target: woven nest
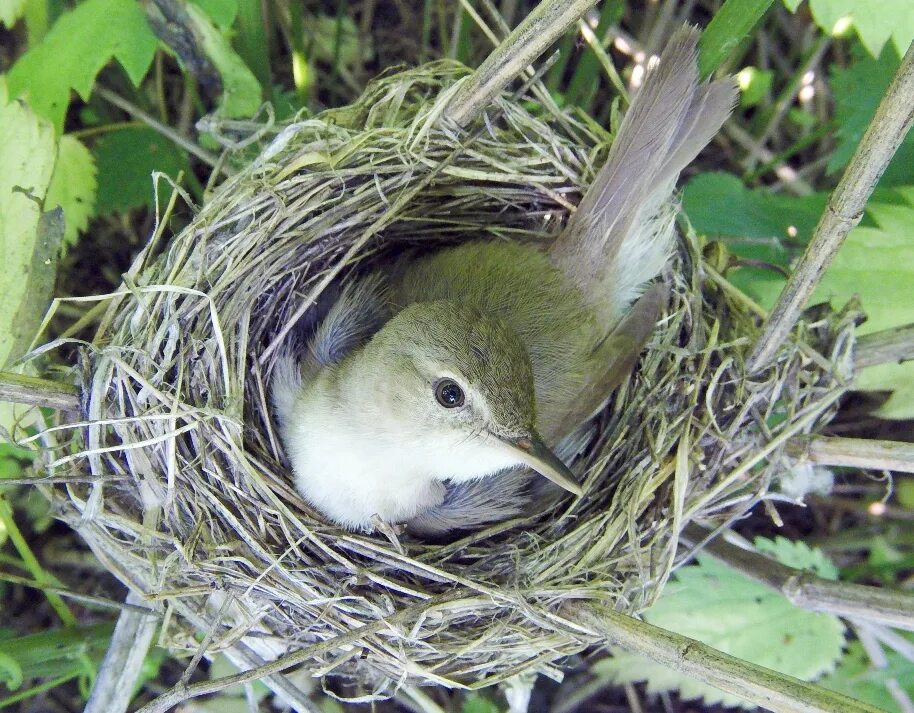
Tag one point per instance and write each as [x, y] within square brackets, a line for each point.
[190, 500]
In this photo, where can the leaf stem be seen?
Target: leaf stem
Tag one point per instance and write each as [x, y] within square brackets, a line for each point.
[31, 390]
[887, 346]
[855, 452]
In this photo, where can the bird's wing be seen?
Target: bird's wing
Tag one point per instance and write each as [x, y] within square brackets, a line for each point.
[360, 311]
[474, 503]
[621, 234]
[615, 357]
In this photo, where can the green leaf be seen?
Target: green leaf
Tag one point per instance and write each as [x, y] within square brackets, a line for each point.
[57, 653]
[27, 241]
[241, 92]
[798, 554]
[876, 24]
[75, 50]
[126, 159]
[717, 605]
[478, 703]
[10, 11]
[754, 84]
[857, 677]
[73, 186]
[222, 12]
[727, 28]
[876, 262]
[857, 91]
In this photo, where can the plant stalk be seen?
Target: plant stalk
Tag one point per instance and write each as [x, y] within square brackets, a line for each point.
[885, 347]
[756, 684]
[855, 452]
[33, 391]
[809, 591]
[844, 210]
[539, 30]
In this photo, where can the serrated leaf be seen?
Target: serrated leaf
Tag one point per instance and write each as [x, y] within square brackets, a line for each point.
[27, 154]
[875, 25]
[73, 186]
[712, 603]
[75, 50]
[857, 90]
[241, 92]
[799, 555]
[126, 159]
[857, 677]
[10, 11]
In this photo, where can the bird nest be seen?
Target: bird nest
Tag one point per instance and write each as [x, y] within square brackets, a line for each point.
[189, 498]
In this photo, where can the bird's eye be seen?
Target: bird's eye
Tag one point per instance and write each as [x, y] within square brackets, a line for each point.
[449, 394]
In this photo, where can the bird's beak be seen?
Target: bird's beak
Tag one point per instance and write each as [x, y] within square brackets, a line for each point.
[530, 450]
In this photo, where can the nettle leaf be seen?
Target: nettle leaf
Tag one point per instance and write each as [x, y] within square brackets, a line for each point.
[75, 50]
[858, 678]
[73, 186]
[798, 554]
[716, 605]
[10, 11]
[876, 262]
[126, 159]
[857, 90]
[875, 24]
[241, 92]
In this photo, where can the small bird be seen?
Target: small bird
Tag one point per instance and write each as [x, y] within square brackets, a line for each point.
[428, 395]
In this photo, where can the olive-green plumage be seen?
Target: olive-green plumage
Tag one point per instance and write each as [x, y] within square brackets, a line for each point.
[472, 362]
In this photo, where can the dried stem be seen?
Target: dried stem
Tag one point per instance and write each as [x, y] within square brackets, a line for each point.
[124, 660]
[808, 591]
[845, 208]
[756, 684]
[527, 41]
[887, 346]
[856, 452]
[38, 392]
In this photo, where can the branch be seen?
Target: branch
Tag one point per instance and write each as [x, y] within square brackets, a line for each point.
[808, 591]
[539, 30]
[855, 452]
[888, 346]
[845, 208]
[756, 684]
[38, 392]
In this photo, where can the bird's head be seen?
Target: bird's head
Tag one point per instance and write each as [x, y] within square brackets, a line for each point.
[457, 385]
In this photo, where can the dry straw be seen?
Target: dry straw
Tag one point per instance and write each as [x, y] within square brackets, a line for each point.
[189, 500]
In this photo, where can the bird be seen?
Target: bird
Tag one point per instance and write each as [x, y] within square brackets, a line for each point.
[433, 394]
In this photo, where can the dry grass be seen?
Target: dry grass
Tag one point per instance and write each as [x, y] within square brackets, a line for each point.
[190, 501]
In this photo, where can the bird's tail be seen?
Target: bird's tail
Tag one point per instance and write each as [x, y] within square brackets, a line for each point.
[621, 234]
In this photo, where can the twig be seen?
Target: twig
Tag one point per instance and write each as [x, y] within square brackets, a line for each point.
[887, 346]
[809, 591]
[166, 131]
[123, 663]
[38, 392]
[845, 208]
[756, 684]
[855, 452]
[527, 41]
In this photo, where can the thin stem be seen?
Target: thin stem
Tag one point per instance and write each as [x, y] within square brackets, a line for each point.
[855, 452]
[756, 684]
[809, 591]
[845, 208]
[163, 129]
[887, 346]
[539, 30]
[38, 392]
[123, 663]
